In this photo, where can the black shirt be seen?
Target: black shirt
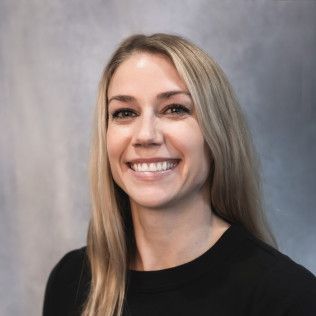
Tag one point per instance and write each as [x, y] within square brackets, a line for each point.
[239, 275]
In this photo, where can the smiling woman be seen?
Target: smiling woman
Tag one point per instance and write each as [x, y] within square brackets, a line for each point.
[177, 226]
[156, 149]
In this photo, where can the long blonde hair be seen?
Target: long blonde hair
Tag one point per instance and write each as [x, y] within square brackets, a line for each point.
[235, 188]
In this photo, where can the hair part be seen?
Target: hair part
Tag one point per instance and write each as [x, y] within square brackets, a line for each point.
[234, 187]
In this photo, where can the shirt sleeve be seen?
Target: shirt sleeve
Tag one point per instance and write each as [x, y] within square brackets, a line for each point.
[64, 289]
[304, 303]
[286, 290]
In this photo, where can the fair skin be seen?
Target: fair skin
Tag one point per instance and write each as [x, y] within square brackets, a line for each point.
[158, 156]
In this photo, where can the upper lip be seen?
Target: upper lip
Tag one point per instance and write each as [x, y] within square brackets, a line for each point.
[149, 160]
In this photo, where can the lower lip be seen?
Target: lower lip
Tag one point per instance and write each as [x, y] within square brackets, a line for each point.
[151, 176]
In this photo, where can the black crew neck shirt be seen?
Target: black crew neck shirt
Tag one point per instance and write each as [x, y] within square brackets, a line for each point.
[238, 275]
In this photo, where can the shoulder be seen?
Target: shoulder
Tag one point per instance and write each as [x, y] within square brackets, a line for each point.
[283, 287]
[70, 263]
[68, 284]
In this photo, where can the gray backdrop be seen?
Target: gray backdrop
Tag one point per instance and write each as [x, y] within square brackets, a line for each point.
[52, 54]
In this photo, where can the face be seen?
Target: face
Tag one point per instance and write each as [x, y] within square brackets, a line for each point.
[155, 146]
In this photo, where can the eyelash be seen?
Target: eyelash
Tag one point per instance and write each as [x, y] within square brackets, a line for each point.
[184, 110]
[118, 114]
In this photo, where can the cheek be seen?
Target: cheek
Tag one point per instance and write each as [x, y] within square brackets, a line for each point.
[116, 143]
[190, 142]
[189, 138]
[111, 145]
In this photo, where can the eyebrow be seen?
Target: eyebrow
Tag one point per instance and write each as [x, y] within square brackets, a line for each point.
[160, 96]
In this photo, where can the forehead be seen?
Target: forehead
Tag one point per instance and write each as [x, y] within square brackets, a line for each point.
[145, 72]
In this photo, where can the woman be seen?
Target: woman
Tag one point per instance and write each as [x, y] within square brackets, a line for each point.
[177, 226]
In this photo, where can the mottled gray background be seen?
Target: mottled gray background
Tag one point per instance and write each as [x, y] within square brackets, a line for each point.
[52, 53]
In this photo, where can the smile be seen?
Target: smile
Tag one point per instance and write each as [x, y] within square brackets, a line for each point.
[154, 166]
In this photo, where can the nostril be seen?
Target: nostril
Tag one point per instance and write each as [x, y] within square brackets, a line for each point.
[145, 144]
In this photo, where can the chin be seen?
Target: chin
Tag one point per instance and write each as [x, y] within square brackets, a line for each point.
[152, 203]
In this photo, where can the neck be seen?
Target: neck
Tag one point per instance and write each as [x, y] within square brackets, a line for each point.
[175, 235]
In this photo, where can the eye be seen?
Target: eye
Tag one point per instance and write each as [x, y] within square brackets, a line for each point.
[123, 114]
[177, 109]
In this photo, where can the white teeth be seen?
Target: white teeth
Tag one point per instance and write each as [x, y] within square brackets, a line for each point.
[153, 167]
[165, 165]
[144, 167]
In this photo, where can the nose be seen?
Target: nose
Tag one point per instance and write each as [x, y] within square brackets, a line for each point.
[147, 131]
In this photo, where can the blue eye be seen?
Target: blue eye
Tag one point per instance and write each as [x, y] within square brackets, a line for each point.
[177, 109]
[123, 114]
